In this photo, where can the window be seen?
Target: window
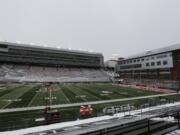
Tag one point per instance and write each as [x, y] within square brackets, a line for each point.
[138, 60]
[134, 60]
[161, 56]
[159, 63]
[152, 64]
[152, 58]
[165, 62]
[147, 59]
[3, 46]
[142, 59]
[147, 64]
[137, 66]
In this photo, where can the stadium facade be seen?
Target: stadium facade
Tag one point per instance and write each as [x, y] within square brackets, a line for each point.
[23, 53]
[26, 63]
[161, 64]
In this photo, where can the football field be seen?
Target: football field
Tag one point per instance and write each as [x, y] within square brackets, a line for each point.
[32, 95]
[29, 95]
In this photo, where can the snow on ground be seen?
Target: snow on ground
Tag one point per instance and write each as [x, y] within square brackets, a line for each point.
[80, 122]
[168, 119]
[55, 126]
[176, 132]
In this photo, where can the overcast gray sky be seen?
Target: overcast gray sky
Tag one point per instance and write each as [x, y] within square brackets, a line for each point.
[123, 27]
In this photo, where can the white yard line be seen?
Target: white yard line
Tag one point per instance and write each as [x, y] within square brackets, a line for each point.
[6, 105]
[81, 88]
[12, 102]
[65, 96]
[33, 99]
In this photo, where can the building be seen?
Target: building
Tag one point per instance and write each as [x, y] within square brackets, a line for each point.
[23, 53]
[110, 64]
[160, 64]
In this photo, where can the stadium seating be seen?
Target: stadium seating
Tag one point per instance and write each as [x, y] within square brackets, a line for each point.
[113, 76]
[23, 73]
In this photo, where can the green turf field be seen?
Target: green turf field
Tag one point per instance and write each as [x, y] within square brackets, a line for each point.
[16, 95]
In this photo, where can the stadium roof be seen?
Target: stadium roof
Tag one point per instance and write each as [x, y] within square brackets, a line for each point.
[47, 48]
[156, 51]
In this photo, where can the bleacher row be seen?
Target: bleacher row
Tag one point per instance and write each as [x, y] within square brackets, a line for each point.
[21, 73]
[112, 73]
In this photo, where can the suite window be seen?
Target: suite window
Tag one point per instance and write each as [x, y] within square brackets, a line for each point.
[147, 64]
[161, 56]
[165, 62]
[152, 64]
[3, 46]
[159, 63]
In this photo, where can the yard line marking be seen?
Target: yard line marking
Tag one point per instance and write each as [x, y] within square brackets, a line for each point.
[5, 105]
[84, 99]
[16, 97]
[64, 95]
[89, 92]
[33, 99]
[81, 89]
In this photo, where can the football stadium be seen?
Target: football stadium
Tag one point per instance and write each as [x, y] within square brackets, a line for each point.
[43, 85]
[89, 67]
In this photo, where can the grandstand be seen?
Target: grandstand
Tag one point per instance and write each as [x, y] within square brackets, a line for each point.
[25, 63]
[18, 73]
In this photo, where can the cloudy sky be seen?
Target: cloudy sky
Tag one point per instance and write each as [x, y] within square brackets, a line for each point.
[123, 27]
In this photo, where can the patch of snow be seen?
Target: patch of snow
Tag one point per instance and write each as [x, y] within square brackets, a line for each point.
[106, 92]
[168, 119]
[176, 132]
[40, 119]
